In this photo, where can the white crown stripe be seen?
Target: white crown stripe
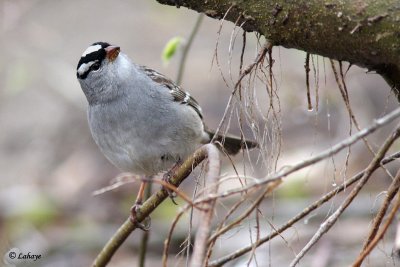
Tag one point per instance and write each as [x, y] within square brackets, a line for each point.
[91, 49]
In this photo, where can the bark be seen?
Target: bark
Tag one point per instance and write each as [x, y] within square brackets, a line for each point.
[363, 32]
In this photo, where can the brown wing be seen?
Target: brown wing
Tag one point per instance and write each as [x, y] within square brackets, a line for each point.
[179, 95]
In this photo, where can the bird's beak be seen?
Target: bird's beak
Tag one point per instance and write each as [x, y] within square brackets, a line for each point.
[112, 52]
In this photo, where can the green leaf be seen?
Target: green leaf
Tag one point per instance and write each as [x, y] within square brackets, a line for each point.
[170, 48]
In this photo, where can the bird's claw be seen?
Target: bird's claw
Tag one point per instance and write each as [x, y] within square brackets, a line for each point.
[133, 218]
[171, 194]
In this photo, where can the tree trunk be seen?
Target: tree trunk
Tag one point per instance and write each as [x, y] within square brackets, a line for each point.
[363, 32]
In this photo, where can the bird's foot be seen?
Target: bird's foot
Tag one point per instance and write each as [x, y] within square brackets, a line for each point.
[166, 177]
[146, 224]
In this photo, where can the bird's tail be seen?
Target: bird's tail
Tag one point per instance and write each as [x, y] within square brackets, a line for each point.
[232, 145]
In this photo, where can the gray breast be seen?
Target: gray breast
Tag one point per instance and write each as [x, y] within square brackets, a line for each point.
[143, 130]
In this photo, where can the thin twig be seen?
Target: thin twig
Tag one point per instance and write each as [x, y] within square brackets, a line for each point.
[396, 248]
[241, 61]
[378, 123]
[190, 226]
[188, 240]
[222, 222]
[174, 189]
[316, 79]
[232, 42]
[134, 178]
[307, 68]
[204, 229]
[245, 72]
[275, 117]
[117, 182]
[270, 187]
[300, 216]
[145, 235]
[147, 208]
[257, 236]
[167, 241]
[241, 115]
[215, 56]
[260, 57]
[345, 95]
[186, 48]
[331, 220]
[221, 230]
[391, 193]
[182, 62]
[270, 82]
[380, 235]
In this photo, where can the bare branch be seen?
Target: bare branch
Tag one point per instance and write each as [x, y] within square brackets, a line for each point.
[203, 232]
[328, 223]
[148, 207]
[380, 235]
[396, 248]
[378, 123]
[145, 235]
[300, 216]
[392, 191]
[167, 241]
[270, 187]
[307, 68]
[260, 57]
[187, 47]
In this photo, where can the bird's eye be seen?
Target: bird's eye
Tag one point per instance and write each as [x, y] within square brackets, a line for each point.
[95, 66]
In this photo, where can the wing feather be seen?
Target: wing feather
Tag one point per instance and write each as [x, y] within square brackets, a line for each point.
[179, 95]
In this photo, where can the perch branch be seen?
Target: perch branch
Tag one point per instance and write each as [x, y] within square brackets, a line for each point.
[148, 207]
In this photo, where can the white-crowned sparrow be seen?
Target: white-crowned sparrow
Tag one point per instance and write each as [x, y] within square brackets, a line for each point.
[142, 122]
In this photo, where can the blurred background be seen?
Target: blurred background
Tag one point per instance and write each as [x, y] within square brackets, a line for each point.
[50, 166]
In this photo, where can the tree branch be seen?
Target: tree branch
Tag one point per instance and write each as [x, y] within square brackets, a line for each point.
[148, 207]
[364, 33]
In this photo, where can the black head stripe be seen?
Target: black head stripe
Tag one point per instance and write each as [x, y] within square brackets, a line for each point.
[93, 56]
[103, 44]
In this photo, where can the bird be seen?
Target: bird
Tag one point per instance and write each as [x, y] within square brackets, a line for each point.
[141, 120]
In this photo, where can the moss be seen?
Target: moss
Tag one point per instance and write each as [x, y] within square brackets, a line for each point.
[363, 32]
